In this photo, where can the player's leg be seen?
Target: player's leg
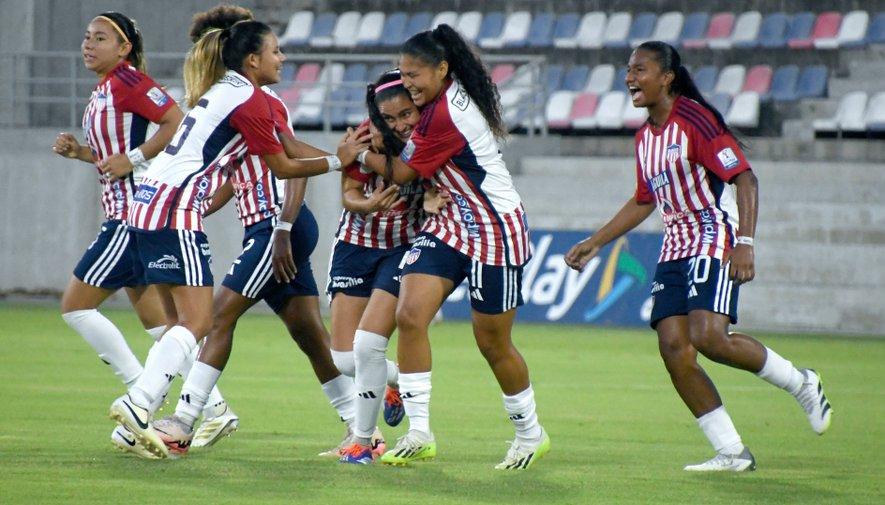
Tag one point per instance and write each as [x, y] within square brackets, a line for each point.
[346, 311]
[149, 308]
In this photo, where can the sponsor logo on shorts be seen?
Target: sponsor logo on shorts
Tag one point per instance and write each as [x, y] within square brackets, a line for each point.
[204, 250]
[656, 287]
[342, 282]
[157, 96]
[145, 193]
[167, 262]
[728, 158]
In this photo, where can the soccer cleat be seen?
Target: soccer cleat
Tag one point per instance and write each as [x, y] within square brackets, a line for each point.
[393, 407]
[813, 400]
[378, 443]
[357, 454]
[136, 419]
[175, 434]
[413, 446]
[520, 457]
[215, 426]
[338, 451]
[124, 440]
[743, 462]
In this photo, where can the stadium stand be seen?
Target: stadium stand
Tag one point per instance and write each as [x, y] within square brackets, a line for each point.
[719, 32]
[541, 30]
[693, 30]
[853, 29]
[298, 29]
[746, 30]
[469, 23]
[744, 110]
[371, 27]
[668, 27]
[783, 83]
[617, 29]
[321, 32]
[642, 28]
[849, 116]
[565, 30]
[875, 114]
[773, 32]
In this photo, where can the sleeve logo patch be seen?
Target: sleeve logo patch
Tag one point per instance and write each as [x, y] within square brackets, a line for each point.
[728, 158]
[234, 81]
[461, 99]
[408, 151]
[157, 96]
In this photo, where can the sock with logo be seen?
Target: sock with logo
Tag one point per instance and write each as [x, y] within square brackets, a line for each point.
[521, 410]
[215, 397]
[415, 391]
[162, 365]
[720, 431]
[340, 393]
[781, 373]
[195, 392]
[100, 333]
[344, 362]
[371, 376]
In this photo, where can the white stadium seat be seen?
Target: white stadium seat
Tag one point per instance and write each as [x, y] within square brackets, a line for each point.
[849, 115]
[590, 31]
[298, 30]
[731, 80]
[668, 28]
[744, 111]
[516, 27]
[874, 118]
[601, 79]
[746, 28]
[617, 29]
[370, 28]
[854, 28]
[610, 111]
[445, 17]
[633, 117]
[469, 23]
[559, 108]
[346, 29]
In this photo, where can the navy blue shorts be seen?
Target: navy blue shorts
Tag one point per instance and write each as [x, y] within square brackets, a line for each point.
[177, 257]
[251, 274]
[356, 270]
[696, 283]
[111, 262]
[493, 289]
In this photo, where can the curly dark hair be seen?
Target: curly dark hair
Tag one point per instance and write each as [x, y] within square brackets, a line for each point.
[443, 43]
[393, 145]
[221, 16]
[128, 26]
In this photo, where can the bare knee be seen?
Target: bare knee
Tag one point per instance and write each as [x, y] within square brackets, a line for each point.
[409, 319]
[710, 341]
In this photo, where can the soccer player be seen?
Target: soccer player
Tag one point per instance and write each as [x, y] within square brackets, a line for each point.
[230, 116]
[116, 122]
[685, 158]
[481, 235]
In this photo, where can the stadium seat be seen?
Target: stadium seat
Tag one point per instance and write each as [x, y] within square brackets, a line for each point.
[744, 111]
[799, 31]
[566, 29]
[616, 30]
[394, 32]
[746, 30]
[642, 28]
[610, 110]
[516, 29]
[601, 79]
[633, 117]
[773, 32]
[719, 32]
[669, 27]
[826, 30]
[783, 83]
[618, 83]
[310, 107]
[705, 78]
[370, 29]
[445, 17]
[552, 77]
[321, 32]
[541, 30]
[812, 82]
[591, 30]
[298, 29]
[419, 22]
[853, 30]
[501, 72]
[731, 80]
[575, 78]
[876, 33]
[491, 27]
[468, 24]
[694, 29]
[559, 108]
[345, 28]
[304, 79]
[758, 79]
[849, 115]
[721, 102]
[583, 113]
[875, 115]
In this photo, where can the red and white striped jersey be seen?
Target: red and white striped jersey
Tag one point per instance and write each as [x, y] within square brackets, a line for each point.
[454, 147]
[116, 120]
[386, 229]
[233, 117]
[685, 167]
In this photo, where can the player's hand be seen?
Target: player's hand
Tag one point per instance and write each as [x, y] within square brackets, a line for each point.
[282, 262]
[741, 262]
[435, 199]
[384, 198]
[115, 167]
[352, 143]
[377, 138]
[580, 253]
[66, 145]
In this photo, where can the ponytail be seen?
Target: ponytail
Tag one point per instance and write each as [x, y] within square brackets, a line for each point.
[221, 16]
[203, 65]
[127, 31]
[443, 43]
[393, 145]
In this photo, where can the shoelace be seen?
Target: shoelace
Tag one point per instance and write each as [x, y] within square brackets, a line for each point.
[355, 450]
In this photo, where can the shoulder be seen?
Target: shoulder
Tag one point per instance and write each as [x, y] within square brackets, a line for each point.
[695, 117]
[436, 116]
[127, 77]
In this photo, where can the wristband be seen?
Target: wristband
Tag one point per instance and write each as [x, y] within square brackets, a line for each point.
[283, 225]
[361, 157]
[334, 163]
[744, 240]
[136, 157]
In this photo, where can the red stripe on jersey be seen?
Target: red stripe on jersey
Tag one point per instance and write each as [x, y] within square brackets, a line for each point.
[386, 229]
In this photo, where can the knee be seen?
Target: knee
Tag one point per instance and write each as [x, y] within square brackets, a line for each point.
[492, 347]
[677, 354]
[710, 342]
[308, 337]
[409, 319]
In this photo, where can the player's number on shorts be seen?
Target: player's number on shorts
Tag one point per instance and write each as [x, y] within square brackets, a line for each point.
[184, 130]
[236, 262]
[699, 267]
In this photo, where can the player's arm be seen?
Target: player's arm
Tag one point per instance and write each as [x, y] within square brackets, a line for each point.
[219, 199]
[742, 257]
[121, 164]
[284, 167]
[354, 199]
[631, 215]
[282, 260]
[66, 145]
[297, 149]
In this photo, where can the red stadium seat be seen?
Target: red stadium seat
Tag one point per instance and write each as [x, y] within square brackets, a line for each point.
[306, 76]
[583, 113]
[826, 29]
[719, 32]
[758, 79]
[502, 72]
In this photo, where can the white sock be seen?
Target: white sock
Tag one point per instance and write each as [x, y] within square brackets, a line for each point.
[195, 392]
[369, 350]
[158, 401]
[781, 372]
[521, 410]
[415, 391]
[720, 431]
[156, 332]
[344, 362]
[215, 397]
[340, 393]
[392, 373]
[162, 364]
[100, 333]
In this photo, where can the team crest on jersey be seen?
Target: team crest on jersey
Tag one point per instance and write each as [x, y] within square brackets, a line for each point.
[157, 96]
[674, 152]
[461, 99]
[728, 158]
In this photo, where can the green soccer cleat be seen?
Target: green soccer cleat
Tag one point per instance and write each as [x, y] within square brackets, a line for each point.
[520, 457]
[413, 446]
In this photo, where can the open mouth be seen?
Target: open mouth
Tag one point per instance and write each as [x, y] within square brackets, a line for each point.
[635, 92]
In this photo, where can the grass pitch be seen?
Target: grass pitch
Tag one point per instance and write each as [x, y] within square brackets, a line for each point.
[620, 433]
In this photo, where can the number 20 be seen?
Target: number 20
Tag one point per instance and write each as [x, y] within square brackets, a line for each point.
[699, 268]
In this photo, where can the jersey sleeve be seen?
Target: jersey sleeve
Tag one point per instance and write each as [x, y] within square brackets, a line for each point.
[355, 172]
[145, 98]
[434, 141]
[642, 194]
[720, 154]
[255, 121]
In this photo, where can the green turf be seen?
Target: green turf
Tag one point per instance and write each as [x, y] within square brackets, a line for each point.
[620, 434]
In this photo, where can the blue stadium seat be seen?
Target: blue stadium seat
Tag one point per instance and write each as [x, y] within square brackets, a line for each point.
[705, 78]
[541, 30]
[618, 84]
[566, 27]
[323, 26]
[800, 27]
[783, 84]
[419, 22]
[492, 25]
[552, 78]
[394, 32]
[642, 28]
[695, 26]
[773, 32]
[721, 101]
[812, 82]
[876, 32]
[575, 78]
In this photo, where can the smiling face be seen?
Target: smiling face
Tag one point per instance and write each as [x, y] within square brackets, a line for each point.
[423, 81]
[646, 81]
[400, 114]
[102, 47]
[268, 63]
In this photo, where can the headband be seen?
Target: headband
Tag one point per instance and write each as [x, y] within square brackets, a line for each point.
[398, 82]
[116, 27]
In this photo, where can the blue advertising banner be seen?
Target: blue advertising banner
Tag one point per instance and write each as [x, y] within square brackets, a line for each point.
[613, 289]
